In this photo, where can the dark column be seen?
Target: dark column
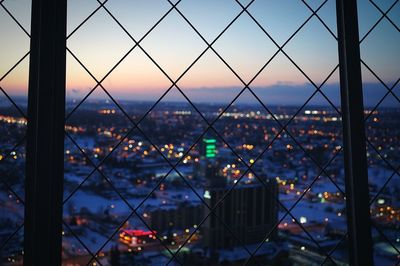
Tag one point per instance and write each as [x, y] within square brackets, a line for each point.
[45, 141]
[355, 160]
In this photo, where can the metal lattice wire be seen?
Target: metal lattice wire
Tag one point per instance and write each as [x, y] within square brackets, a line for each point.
[383, 16]
[288, 212]
[210, 125]
[153, 145]
[17, 148]
[8, 153]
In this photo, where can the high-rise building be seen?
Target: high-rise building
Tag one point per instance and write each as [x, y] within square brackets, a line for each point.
[208, 153]
[249, 210]
[213, 176]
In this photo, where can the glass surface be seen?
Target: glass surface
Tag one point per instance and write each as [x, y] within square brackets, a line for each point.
[14, 68]
[380, 57]
[206, 133]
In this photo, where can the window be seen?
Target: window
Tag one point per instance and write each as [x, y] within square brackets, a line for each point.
[381, 111]
[215, 133]
[14, 67]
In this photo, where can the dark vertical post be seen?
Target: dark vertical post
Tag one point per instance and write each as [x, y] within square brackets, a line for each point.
[356, 172]
[45, 140]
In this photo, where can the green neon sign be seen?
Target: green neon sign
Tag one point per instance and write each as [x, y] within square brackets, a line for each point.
[210, 148]
[210, 141]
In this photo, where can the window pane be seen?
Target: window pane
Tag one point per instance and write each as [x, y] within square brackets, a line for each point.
[203, 133]
[380, 57]
[14, 67]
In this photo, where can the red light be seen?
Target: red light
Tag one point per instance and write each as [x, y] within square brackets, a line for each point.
[139, 233]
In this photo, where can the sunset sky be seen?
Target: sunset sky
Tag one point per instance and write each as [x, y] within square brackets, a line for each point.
[100, 43]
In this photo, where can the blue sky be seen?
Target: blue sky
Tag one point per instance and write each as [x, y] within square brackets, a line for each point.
[100, 43]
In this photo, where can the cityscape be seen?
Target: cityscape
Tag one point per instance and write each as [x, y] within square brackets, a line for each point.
[200, 132]
[172, 186]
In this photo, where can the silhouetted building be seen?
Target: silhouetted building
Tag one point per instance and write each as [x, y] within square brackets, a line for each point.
[250, 211]
[208, 152]
[182, 216]
[213, 176]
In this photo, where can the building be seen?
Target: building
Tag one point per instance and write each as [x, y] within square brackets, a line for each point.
[208, 152]
[250, 211]
[182, 216]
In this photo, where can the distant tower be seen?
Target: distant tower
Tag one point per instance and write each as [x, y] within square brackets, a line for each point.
[208, 155]
[209, 148]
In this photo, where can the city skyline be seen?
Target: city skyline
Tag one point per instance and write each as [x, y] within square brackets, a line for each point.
[276, 95]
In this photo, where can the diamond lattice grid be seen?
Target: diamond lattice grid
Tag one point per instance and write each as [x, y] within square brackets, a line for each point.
[14, 52]
[377, 42]
[137, 145]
